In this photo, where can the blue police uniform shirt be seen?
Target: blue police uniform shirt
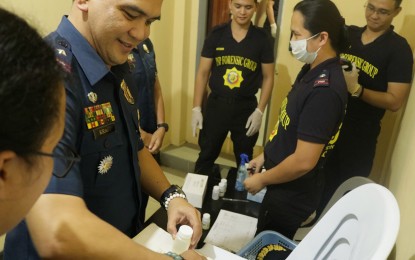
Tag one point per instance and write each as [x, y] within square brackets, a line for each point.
[112, 193]
[144, 74]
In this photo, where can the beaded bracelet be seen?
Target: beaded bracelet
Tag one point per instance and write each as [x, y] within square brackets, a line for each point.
[171, 193]
[174, 256]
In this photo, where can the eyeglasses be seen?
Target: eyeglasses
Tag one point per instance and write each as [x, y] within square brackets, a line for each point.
[370, 9]
[64, 158]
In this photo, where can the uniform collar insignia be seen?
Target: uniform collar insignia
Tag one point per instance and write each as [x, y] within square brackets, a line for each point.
[131, 61]
[145, 48]
[61, 52]
[92, 97]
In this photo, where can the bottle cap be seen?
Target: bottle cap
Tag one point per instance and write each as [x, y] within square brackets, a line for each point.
[244, 158]
[206, 217]
[185, 232]
[223, 180]
[216, 188]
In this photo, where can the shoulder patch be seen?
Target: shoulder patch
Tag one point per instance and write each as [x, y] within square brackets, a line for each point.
[322, 80]
[62, 50]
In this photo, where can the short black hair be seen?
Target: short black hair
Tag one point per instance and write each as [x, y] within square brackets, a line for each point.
[30, 86]
[323, 15]
[398, 3]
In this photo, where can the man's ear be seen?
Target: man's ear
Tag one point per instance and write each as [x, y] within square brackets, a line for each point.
[82, 5]
[397, 11]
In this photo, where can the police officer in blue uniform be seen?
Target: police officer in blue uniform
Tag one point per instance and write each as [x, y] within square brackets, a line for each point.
[308, 124]
[150, 98]
[81, 215]
[153, 127]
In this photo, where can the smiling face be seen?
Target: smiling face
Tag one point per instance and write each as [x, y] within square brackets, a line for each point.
[115, 27]
[242, 11]
[380, 13]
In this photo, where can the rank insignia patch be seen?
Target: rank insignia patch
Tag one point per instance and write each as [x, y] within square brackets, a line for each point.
[127, 93]
[322, 80]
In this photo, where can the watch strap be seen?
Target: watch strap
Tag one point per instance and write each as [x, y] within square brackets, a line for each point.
[174, 191]
[164, 125]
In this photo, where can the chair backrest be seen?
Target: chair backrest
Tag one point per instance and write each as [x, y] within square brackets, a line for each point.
[344, 188]
[363, 224]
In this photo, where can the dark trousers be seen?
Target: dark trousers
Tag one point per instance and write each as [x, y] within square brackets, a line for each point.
[286, 206]
[223, 115]
[352, 155]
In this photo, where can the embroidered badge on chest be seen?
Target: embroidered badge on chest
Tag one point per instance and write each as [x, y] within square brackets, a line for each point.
[127, 93]
[105, 164]
[233, 78]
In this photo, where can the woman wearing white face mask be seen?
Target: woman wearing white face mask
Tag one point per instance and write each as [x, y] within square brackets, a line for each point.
[308, 124]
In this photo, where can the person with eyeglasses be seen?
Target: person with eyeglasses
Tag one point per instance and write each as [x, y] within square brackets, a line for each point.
[32, 105]
[380, 81]
[93, 210]
[308, 123]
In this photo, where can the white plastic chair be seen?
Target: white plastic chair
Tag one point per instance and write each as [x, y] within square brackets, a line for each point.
[344, 188]
[363, 224]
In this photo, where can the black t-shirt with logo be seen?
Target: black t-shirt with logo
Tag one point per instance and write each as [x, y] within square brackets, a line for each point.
[236, 69]
[387, 59]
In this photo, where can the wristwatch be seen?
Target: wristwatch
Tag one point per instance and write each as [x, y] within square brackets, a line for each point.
[164, 125]
[174, 191]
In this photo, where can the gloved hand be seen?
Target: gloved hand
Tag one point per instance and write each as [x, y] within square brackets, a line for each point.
[254, 122]
[274, 30]
[351, 78]
[197, 119]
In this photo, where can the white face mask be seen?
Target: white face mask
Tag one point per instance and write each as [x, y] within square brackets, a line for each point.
[299, 50]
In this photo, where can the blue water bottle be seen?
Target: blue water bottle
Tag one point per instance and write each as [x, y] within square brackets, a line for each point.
[242, 173]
